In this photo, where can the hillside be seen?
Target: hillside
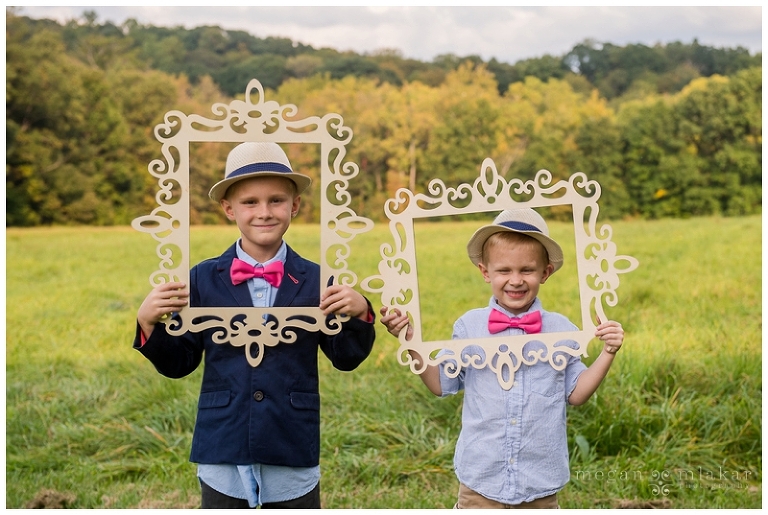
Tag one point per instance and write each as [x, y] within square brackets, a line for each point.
[669, 131]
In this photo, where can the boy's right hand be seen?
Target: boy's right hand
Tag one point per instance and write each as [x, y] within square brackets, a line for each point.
[395, 322]
[163, 300]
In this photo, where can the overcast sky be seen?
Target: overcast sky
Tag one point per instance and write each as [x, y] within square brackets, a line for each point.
[506, 33]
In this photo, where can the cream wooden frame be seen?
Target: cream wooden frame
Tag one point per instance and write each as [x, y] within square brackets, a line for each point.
[596, 259]
[252, 119]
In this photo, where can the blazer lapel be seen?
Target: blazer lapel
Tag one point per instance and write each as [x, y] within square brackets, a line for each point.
[293, 280]
[240, 292]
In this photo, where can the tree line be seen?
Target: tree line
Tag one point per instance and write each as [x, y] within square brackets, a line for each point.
[671, 130]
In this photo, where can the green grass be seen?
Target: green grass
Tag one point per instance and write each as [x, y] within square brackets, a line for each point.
[677, 422]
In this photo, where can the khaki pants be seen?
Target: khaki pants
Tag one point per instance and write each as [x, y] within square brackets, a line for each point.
[469, 499]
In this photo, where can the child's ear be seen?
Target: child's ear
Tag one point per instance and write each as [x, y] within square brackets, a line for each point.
[227, 207]
[295, 206]
[484, 271]
[548, 270]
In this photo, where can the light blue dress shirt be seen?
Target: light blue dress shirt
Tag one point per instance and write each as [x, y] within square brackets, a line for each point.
[257, 483]
[513, 445]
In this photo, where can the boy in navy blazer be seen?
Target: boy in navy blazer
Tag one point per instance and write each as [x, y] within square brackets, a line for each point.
[257, 433]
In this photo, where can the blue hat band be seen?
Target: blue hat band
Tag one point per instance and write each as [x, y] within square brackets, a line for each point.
[260, 167]
[520, 226]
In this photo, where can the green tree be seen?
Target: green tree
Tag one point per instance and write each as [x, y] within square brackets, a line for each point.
[303, 65]
[410, 116]
[656, 126]
[351, 65]
[719, 119]
[269, 69]
[649, 131]
[541, 123]
[467, 116]
[50, 101]
[599, 156]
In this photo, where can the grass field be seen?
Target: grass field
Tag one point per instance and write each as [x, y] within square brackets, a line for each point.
[677, 422]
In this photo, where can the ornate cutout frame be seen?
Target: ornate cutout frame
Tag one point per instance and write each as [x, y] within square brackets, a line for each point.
[252, 119]
[596, 259]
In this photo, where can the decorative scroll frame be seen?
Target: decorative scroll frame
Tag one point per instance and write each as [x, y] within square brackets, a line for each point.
[597, 261]
[251, 119]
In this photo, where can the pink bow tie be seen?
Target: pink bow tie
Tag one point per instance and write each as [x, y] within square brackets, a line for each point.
[530, 323]
[242, 271]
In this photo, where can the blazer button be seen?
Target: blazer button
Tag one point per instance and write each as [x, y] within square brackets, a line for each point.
[258, 396]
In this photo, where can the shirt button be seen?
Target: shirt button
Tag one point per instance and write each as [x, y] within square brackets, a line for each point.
[259, 295]
[512, 461]
[513, 421]
[258, 396]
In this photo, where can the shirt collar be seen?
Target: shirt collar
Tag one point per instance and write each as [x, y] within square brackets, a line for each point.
[282, 252]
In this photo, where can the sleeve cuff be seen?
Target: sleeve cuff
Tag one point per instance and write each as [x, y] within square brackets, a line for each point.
[371, 317]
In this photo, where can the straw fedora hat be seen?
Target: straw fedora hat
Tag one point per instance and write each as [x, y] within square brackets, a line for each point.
[524, 221]
[257, 159]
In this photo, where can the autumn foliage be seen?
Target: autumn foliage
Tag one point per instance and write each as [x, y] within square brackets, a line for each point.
[676, 139]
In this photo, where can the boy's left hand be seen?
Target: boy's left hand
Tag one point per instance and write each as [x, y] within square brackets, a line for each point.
[342, 300]
[612, 334]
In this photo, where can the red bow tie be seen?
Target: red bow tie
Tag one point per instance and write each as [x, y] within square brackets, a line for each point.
[498, 321]
[242, 271]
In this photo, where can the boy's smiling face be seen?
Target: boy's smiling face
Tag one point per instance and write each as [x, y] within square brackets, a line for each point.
[262, 207]
[515, 268]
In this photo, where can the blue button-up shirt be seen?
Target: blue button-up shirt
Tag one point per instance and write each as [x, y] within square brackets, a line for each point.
[513, 446]
[260, 483]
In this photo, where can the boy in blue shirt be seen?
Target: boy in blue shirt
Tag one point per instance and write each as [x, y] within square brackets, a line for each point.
[257, 433]
[512, 450]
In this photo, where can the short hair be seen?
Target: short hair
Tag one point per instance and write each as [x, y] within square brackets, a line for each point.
[512, 238]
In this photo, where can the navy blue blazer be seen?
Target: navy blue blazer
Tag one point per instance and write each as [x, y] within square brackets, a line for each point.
[268, 414]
